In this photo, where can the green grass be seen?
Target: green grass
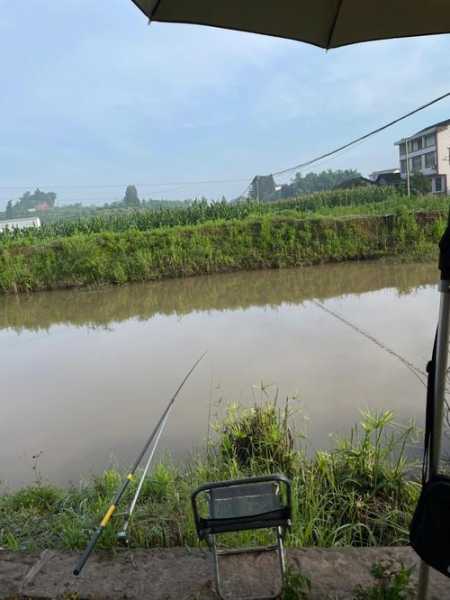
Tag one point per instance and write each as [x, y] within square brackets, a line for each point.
[296, 585]
[357, 494]
[392, 582]
[267, 241]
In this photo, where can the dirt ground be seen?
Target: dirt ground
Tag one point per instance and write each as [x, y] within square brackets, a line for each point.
[183, 574]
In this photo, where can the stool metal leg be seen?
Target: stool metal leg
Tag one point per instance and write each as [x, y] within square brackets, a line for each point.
[278, 548]
[213, 548]
[281, 554]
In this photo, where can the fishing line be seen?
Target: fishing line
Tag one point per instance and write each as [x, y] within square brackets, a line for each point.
[419, 373]
[408, 364]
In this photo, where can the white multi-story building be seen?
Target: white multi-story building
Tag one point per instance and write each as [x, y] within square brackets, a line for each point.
[428, 152]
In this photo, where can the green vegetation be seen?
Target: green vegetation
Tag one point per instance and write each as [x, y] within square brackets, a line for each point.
[317, 182]
[280, 237]
[356, 494]
[131, 198]
[360, 201]
[296, 586]
[120, 217]
[393, 582]
[30, 202]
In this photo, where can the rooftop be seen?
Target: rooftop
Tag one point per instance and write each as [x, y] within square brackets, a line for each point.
[18, 220]
[429, 129]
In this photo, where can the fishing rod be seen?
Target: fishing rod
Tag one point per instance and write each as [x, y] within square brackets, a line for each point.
[117, 498]
[122, 536]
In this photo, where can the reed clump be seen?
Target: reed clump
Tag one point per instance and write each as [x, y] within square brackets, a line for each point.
[258, 439]
[361, 492]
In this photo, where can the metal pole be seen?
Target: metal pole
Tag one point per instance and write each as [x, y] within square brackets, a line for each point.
[441, 374]
[424, 578]
[408, 174]
[439, 398]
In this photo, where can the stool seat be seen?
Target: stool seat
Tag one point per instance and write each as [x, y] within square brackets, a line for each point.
[243, 504]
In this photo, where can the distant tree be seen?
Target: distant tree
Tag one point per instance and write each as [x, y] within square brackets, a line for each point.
[9, 210]
[317, 182]
[131, 197]
[38, 200]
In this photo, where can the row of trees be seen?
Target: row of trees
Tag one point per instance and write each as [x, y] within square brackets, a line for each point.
[41, 202]
[317, 182]
[131, 200]
[263, 187]
[30, 202]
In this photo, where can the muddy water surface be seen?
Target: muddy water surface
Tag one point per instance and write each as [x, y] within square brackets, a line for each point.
[85, 374]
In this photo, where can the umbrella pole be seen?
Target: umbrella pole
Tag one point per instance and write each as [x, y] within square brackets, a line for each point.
[440, 380]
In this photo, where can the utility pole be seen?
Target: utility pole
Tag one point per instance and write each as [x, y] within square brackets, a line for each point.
[257, 188]
[408, 174]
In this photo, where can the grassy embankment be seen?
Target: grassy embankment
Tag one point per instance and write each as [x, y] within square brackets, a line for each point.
[150, 245]
[357, 494]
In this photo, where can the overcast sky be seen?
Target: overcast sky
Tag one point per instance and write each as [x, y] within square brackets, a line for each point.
[91, 96]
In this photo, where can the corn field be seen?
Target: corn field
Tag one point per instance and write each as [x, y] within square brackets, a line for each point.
[360, 201]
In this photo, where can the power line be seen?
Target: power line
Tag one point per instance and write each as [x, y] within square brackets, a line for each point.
[357, 140]
[361, 138]
[124, 185]
[242, 179]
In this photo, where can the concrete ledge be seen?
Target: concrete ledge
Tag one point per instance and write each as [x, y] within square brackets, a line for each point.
[182, 574]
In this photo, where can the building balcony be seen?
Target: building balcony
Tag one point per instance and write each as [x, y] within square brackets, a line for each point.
[418, 152]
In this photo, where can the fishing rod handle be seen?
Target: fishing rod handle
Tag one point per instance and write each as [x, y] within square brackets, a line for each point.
[89, 548]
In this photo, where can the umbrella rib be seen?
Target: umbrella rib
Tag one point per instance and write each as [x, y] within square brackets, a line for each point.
[154, 9]
[333, 25]
[150, 11]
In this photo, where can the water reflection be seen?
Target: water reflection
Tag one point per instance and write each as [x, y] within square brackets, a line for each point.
[87, 373]
[225, 292]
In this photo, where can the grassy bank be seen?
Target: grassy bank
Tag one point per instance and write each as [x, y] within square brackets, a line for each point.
[357, 494]
[268, 241]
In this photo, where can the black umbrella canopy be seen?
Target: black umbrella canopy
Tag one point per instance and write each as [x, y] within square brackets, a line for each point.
[324, 23]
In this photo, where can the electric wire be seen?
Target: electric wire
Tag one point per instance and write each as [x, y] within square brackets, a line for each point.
[354, 142]
[278, 173]
[361, 138]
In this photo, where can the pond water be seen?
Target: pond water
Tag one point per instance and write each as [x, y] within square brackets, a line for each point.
[86, 374]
